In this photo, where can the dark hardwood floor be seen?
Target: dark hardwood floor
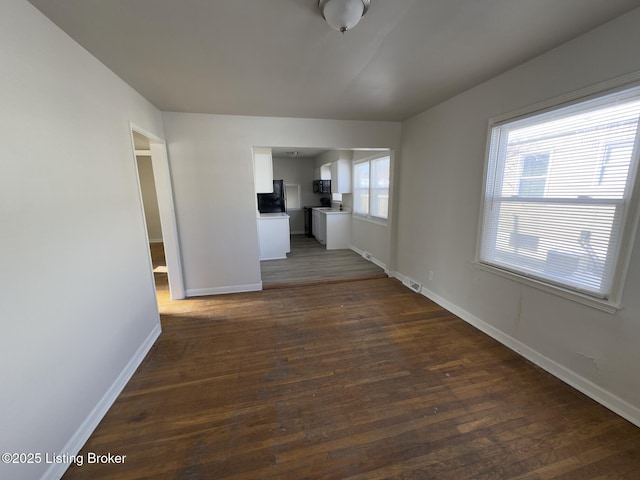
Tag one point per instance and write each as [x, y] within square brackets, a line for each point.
[354, 380]
[311, 263]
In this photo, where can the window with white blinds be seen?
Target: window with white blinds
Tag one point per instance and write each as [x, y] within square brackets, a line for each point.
[557, 196]
[361, 188]
[371, 187]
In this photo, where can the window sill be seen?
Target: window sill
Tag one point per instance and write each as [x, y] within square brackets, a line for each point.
[599, 304]
[377, 220]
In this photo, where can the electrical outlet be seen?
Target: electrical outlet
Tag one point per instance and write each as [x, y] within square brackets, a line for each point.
[430, 275]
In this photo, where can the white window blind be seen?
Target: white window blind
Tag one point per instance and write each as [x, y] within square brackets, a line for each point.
[371, 187]
[361, 188]
[379, 203]
[558, 191]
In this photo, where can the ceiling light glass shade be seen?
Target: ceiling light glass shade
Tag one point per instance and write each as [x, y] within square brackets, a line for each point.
[343, 15]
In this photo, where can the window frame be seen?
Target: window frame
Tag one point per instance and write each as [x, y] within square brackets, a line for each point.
[368, 216]
[630, 221]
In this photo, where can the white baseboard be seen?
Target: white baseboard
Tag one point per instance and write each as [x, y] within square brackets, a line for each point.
[200, 292]
[597, 393]
[380, 264]
[406, 281]
[80, 437]
[399, 276]
[372, 259]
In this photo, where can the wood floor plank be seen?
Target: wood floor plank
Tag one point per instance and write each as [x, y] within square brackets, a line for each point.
[360, 380]
[310, 263]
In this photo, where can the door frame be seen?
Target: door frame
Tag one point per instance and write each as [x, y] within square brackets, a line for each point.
[168, 224]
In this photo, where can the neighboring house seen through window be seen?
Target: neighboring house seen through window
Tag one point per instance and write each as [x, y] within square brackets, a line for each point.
[557, 202]
[534, 175]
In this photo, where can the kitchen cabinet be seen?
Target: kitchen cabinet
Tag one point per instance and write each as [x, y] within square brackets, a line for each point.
[337, 230]
[273, 235]
[322, 228]
[322, 172]
[332, 228]
[341, 176]
[263, 170]
[315, 223]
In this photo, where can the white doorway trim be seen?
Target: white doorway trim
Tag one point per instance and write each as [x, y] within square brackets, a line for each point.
[162, 181]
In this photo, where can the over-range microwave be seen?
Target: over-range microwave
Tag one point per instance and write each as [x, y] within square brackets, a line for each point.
[322, 186]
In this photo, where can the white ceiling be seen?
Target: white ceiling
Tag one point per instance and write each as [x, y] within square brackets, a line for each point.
[279, 57]
[297, 152]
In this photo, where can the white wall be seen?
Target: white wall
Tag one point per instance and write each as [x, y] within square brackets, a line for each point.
[440, 183]
[210, 158]
[372, 236]
[77, 307]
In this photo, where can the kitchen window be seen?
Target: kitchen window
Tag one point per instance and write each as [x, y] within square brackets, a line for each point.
[557, 207]
[371, 187]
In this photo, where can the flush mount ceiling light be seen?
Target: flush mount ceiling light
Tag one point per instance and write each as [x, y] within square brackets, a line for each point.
[343, 15]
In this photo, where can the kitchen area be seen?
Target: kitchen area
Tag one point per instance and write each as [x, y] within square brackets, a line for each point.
[304, 206]
[297, 193]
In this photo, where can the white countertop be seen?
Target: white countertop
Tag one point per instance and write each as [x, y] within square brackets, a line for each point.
[272, 216]
[331, 211]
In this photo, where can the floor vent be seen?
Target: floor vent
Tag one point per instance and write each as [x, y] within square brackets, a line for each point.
[413, 285]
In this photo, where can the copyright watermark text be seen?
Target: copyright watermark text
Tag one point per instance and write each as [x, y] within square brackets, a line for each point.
[51, 457]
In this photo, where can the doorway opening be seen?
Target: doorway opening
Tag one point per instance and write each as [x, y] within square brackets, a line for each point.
[327, 242]
[160, 225]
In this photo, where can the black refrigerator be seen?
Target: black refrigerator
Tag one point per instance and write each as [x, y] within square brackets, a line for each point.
[272, 202]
